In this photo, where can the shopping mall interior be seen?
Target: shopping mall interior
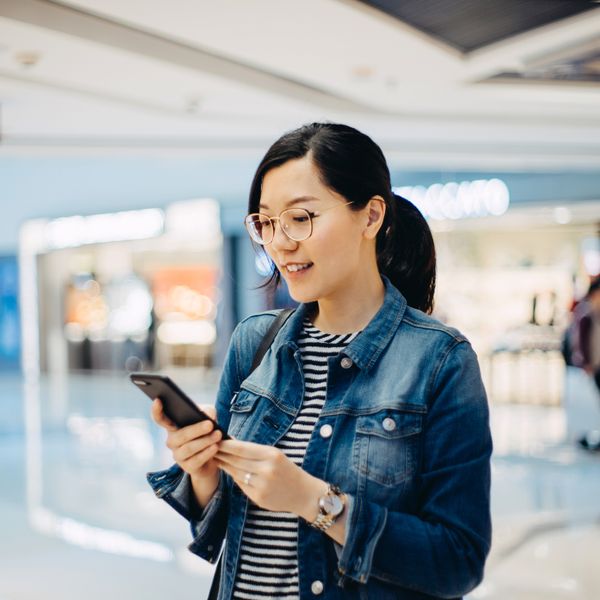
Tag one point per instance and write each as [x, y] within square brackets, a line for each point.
[129, 136]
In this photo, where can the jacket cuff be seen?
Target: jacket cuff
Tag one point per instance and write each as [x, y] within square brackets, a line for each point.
[364, 526]
[174, 486]
[164, 483]
[208, 529]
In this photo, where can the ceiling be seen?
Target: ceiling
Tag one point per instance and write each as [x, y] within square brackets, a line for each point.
[472, 24]
[448, 85]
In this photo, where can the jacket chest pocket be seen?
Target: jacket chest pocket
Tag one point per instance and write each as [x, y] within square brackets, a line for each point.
[241, 408]
[386, 445]
[256, 418]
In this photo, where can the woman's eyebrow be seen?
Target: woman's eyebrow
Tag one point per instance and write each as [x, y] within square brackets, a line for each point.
[299, 200]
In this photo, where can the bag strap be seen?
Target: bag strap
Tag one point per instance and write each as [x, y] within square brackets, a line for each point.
[267, 340]
[265, 344]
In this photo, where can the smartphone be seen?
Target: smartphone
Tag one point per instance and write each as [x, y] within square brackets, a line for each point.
[176, 404]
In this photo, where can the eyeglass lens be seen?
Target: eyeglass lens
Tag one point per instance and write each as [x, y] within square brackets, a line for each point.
[295, 222]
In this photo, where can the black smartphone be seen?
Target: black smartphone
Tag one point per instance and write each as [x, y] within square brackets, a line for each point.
[176, 404]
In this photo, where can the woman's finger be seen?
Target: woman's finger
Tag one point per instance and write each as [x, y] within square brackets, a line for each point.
[237, 462]
[191, 432]
[195, 446]
[248, 450]
[236, 474]
[198, 460]
[159, 416]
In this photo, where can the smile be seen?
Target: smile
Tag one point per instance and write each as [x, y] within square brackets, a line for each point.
[298, 267]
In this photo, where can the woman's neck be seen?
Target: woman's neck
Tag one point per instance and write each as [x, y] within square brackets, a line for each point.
[352, 308]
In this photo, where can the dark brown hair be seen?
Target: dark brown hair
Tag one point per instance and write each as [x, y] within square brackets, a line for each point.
[353, 165]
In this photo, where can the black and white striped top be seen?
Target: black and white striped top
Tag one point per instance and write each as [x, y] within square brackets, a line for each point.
[268, 562]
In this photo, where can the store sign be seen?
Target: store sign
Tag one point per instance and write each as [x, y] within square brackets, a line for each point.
[467, 199]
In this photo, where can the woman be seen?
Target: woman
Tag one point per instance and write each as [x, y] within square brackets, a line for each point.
[359, 466]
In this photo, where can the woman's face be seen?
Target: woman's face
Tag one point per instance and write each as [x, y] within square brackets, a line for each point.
[330, 260]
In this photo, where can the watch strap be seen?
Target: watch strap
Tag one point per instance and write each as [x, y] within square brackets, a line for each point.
[323, 522]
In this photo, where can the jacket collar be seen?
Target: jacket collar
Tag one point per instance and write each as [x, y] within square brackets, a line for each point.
[366, 347]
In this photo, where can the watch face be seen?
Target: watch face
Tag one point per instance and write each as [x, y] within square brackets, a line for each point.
[332, 505]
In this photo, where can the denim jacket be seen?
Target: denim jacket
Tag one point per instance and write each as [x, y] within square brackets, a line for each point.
[410, 447]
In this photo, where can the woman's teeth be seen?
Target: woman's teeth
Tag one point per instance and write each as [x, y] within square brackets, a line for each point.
[294, 268]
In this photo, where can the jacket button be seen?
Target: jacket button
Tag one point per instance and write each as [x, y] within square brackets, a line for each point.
[316, 587]
[389, 424]
[326, 430]
[346, 362]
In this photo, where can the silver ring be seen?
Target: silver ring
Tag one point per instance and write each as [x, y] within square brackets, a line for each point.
[247, 478]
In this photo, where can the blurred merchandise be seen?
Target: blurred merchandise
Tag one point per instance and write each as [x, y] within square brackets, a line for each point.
[108, 327]
[186, 308]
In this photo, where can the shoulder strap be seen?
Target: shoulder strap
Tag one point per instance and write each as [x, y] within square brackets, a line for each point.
[268, 338]
[265, 344]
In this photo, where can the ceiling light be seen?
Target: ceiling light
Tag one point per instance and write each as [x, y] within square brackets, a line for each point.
[363, 72]
[28, 58]
[562, 215]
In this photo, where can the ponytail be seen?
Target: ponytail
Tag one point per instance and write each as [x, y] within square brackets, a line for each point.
[406, 253]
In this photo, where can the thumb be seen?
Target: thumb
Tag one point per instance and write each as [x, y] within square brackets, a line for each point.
[209, 409]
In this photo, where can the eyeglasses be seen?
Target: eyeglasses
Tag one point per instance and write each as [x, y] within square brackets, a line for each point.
[296, 223]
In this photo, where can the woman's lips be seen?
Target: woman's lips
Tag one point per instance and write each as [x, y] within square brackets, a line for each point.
[296, 270]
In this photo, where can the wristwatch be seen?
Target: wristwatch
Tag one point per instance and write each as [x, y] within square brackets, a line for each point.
[331, 506]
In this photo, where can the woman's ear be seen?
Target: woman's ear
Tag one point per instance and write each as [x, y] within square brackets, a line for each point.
[375, 210]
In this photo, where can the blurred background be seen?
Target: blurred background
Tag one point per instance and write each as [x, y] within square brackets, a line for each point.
[129, 134]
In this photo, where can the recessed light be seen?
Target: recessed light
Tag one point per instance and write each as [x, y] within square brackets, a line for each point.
[363, 71]
[28, 58]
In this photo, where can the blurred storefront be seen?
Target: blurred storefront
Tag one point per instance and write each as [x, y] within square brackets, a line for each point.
[123, 291]
[508, 275]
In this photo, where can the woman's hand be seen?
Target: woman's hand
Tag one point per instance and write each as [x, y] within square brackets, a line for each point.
[195, 446]
[275, 482]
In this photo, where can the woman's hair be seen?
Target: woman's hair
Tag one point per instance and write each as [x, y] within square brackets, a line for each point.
[352, 164]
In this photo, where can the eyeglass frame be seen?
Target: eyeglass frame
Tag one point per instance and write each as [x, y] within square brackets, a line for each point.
[311, 217]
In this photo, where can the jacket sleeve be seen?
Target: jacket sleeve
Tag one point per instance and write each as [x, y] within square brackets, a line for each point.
[441, 548]
[174, 485]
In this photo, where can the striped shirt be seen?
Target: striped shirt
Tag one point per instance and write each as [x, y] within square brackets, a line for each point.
[268, 563]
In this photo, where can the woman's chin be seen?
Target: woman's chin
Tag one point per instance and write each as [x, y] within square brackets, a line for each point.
[301, 293]
[302, 297]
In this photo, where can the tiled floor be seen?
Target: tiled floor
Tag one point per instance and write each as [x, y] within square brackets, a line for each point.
[78, 521]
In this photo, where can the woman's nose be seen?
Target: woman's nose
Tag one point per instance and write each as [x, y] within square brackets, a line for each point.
[280, 239]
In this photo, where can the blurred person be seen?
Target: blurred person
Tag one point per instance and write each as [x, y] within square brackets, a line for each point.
[585, 347]
[360, 459]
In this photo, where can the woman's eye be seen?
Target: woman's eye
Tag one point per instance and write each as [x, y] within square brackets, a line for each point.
[300, 219]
